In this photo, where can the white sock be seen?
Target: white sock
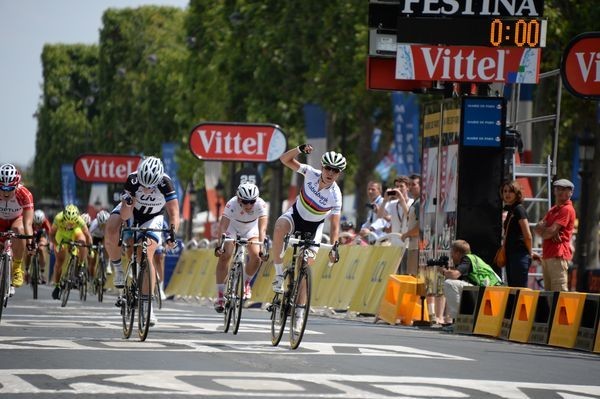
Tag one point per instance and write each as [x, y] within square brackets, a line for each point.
[278, 269]
[162, 285]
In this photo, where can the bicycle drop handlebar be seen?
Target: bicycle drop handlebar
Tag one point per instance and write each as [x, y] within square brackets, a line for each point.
[143, 230]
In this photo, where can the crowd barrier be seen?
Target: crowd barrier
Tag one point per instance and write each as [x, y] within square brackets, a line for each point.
[561, 319]
[356, 283]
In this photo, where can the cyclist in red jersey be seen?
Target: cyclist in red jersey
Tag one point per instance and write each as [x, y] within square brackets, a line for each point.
[16, 214]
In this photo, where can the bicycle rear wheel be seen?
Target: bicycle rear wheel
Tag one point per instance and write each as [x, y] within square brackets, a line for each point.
[34, 277]
[68, 281]
[4, 283]
[279, 311]
[238, 296]
[157, 296]
[144, 300]
[228, 300]
[300, 307]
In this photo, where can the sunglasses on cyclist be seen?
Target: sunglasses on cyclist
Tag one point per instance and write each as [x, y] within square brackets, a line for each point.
[246, 202]
[334, 170]
[7, 188]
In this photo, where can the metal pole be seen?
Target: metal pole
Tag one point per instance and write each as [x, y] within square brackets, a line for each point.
[582, 230]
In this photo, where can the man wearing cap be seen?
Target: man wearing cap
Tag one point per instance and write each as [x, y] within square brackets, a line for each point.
[556, 229]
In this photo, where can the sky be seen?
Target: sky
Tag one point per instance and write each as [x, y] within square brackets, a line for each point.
[25, 27]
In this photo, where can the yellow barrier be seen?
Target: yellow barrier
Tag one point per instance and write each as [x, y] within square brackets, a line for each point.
[382, 262]
[567, 319]
[401, 301]
[589, 323]
[509, 311]
[348, 274]
[323, 279]
[523, 316]
[597, 344]
[491, 311]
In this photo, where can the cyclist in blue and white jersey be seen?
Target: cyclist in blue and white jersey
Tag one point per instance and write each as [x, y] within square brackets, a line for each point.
[147, 193]
[319, 198]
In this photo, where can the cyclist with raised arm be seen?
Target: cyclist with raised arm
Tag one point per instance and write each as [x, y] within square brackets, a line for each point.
[41, 230]
[245, 215]
[16, 214]
[68, 225]
[319, 198]
[147, 193]
[97, 227]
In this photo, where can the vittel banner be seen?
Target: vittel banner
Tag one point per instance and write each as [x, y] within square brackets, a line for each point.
[472, 8]
[580, 67]
[240, 142]
[467, 64]
[105, 168]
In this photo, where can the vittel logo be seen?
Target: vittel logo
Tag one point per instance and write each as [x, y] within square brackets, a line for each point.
[217, 142]
[580, 67]
[105, 168]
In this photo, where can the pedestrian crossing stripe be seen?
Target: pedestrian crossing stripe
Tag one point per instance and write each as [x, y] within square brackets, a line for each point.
[58, 382]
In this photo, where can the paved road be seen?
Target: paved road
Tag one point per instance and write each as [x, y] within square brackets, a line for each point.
[47, 351]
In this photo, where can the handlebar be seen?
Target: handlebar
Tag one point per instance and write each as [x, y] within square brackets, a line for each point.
[12, 234]
[143, 230]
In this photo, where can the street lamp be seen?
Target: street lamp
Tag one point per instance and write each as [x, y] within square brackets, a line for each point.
[586, 155]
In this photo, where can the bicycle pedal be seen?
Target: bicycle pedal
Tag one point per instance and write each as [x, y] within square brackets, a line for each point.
[119, 302]
[270, 308]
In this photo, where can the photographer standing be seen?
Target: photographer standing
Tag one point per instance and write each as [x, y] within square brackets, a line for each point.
[468, 270]
[394, 208]
[373, 227]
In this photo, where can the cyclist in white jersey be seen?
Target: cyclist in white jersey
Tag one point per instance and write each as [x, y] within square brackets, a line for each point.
[245, 215]
[319, 198]
[97, 228]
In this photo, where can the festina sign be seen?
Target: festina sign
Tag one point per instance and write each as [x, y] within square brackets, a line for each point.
[472, 8]
[468, 63]
[105, 168]
[243, 142]
[580, 66]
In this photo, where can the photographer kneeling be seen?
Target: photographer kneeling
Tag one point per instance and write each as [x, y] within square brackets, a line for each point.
[469, 270]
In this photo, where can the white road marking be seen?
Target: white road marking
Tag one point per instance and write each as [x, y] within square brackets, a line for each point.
[264, 384]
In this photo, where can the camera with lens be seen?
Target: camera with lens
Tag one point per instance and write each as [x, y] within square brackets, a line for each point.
[391, 193]
[370, 206]
[441, 261]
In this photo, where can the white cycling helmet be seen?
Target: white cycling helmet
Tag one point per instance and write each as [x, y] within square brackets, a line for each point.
[38, 216]
[150, 172]
[333, 160]
[86, 218]
[9, 175]
[102, 217]
[247, 192]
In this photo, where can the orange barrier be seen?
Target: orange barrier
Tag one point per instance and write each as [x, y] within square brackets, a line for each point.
[402, 301]
[567, 319]
[467, 311]
[491, 311]
[523, 316]
[597, 344]
[544, 314]
[509, 311]
[589, 323]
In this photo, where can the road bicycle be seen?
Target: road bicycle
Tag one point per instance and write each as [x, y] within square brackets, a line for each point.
[6, 260]
[100, 272]
[295, 299]
[136, 292]
[233, 294]
[34, 272]
[156, 297]
[75, 275]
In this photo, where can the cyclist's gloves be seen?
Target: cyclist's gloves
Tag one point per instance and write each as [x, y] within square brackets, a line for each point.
[219, 251]
[305, 148]
[31, 246]
[264, 256]
[127, 198]
[334, 254]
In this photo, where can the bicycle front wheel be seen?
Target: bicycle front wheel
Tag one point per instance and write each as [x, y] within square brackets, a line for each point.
[100, 279]
[34, 278]
[4, 283]
[228, 300]
[300, 307]
[279, 311]
[68, 281]
[83, 283]
[238, 297]
[144, 300]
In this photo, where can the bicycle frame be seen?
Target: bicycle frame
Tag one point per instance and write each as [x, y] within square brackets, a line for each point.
[6, 265]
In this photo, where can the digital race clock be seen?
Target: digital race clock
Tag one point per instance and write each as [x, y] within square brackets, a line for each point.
[493, 32]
